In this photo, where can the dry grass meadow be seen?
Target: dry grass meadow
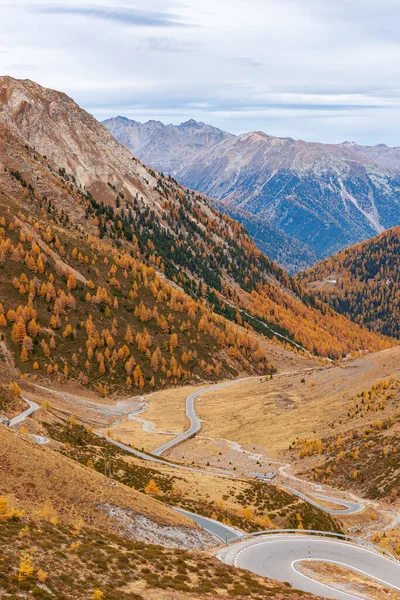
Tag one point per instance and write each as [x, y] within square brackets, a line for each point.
[348, 581]
[298, 404]
[34, 475]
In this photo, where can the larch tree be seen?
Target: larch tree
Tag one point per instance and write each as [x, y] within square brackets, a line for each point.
[152, 488]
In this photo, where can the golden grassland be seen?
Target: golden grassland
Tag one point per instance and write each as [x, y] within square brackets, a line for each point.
[166, 409]
[33, 475]
[296, 405]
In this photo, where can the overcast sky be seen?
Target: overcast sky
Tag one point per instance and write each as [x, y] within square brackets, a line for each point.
[323, 70]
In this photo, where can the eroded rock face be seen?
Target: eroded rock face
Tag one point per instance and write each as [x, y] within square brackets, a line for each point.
[141, 528]
[71, 138]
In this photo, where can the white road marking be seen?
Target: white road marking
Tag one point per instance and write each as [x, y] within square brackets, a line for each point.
[236, 560]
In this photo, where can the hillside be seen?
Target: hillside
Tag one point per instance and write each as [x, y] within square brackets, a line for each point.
[362, 282]
[39, 479]
[365, 457]
[325, 196]
[46, 560]
[119, 278]
[105, 318]
[81, 531]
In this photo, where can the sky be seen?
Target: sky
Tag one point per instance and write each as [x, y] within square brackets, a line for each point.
[318, 70]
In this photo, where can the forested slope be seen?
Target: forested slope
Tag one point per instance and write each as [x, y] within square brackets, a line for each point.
[362, 282]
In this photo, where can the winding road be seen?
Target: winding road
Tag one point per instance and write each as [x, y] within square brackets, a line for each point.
[275, 556]
[278, 557]
[21, 417]
[195, 422]
[349, 507]
[226, 533]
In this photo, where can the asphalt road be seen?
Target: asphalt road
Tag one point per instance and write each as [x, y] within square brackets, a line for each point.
[277, 557]
[154, 459]
[195, 422]
[18, 419]
[224, 532]
[350, 507]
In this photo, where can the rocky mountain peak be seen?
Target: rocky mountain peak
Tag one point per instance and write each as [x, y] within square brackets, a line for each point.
[191, 123]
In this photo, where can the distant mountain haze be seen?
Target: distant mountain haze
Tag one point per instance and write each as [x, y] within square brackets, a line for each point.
[167, 148]
[386, 156]
[325, 196]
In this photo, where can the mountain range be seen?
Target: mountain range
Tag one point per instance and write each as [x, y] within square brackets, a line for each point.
[325, 196]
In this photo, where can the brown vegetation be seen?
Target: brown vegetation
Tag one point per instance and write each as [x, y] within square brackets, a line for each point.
[347, 580]
[47, 560]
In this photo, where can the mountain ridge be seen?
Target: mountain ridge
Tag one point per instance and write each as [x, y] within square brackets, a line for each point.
[326, 196]
[386, 156]
[191, 134]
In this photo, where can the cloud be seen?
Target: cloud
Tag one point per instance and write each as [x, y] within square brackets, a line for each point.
[23, 67]
[323, 71]
[244, 61]
[157, 44]
[126, 16]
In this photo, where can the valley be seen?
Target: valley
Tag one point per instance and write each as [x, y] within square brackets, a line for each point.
[234, 499]
[199, 300]
[166, 388]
